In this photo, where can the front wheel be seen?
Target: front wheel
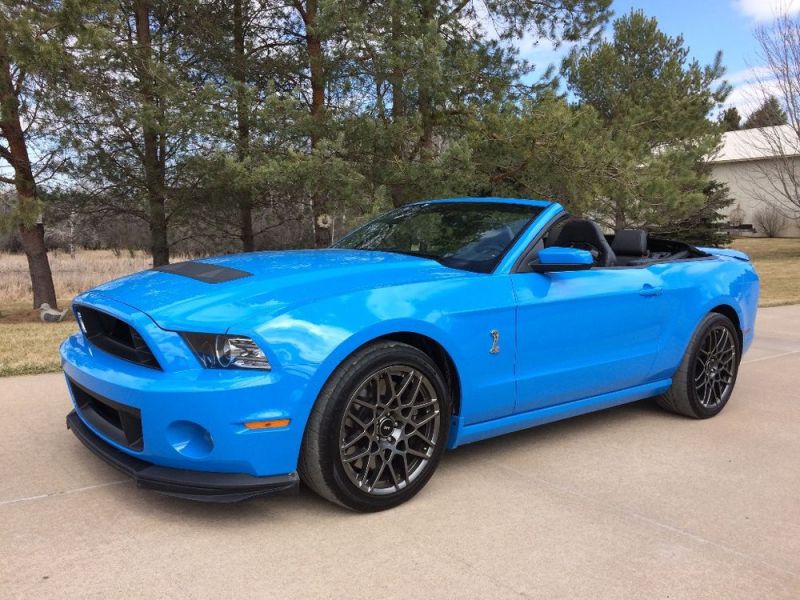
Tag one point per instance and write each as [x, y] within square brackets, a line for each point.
[705, 379]
[378, 429]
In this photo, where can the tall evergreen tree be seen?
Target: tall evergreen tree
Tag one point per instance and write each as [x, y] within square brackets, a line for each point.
[139, 115]
[655, 102]
[730, 120]
[433, 70]
[770, 113]
[240, 50]
[541, 148]
[707, 225]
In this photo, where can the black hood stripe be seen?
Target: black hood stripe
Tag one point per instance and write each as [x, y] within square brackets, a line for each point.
[204, 272]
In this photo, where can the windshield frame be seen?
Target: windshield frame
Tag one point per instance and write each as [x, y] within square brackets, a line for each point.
[484, 267]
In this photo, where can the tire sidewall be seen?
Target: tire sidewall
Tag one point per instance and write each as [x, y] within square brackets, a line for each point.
[336, 399]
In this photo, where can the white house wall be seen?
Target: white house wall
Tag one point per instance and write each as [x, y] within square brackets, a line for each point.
[750, 187]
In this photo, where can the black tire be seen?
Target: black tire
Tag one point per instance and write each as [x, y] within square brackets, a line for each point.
[698, 390]
[323, 465]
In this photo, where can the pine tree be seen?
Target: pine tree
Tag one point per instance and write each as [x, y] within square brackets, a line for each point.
[655, 103]
[770, 113]
[706, 226]
[239, 50]
[139, 116]
[433, 69]
[730, 120]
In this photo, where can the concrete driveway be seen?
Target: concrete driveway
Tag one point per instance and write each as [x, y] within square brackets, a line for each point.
[628, 503]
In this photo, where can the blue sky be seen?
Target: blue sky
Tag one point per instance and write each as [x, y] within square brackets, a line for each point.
[707, 26]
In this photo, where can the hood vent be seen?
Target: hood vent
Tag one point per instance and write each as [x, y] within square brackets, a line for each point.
[205, 272]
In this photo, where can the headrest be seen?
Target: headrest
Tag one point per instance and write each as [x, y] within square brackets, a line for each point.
[579, 230]
[630, 242]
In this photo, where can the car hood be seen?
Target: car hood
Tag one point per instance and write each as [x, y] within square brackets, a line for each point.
[271, 283]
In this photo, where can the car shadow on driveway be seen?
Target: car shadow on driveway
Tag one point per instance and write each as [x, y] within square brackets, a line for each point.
[467, 459]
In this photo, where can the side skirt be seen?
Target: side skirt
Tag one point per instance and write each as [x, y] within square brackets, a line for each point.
[461, 434]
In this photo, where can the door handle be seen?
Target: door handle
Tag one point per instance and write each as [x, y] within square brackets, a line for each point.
[650, 290]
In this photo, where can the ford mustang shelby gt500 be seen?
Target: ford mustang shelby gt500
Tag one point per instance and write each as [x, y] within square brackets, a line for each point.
[436, 325]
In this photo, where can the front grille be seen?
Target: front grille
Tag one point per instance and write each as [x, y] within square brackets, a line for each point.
[115, 337]
[119, 423]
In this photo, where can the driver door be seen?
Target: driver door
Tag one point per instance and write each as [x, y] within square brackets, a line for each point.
[585, 333]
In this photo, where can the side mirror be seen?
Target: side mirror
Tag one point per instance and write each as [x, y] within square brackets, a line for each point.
[554, 259]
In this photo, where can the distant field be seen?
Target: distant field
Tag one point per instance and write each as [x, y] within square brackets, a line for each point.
[71, 275]
[28, 346]
[778, 264]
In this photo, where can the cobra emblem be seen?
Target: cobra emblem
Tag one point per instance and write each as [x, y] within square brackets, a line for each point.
[495, 341]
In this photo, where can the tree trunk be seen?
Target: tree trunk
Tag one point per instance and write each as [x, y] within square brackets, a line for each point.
[425, 95]
[31, 235]
[619, 216]
[153, 158]
[397, 189]
[242, 123]
[322, 236]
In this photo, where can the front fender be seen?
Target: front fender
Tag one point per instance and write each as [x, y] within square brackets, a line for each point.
[309, 342]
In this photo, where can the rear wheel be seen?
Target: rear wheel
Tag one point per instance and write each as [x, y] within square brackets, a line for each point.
[705, 379]
[378, 429]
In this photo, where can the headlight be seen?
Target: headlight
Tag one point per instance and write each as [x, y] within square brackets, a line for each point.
[226, 351]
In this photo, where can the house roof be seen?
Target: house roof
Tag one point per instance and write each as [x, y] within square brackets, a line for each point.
[757, 144]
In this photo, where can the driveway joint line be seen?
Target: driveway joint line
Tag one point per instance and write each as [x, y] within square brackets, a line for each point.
[62, 492]
[782, 354]
[633, 514]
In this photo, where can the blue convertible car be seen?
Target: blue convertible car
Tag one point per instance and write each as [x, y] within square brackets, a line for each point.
[436, 325]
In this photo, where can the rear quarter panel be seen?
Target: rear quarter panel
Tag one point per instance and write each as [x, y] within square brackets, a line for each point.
[695, 287]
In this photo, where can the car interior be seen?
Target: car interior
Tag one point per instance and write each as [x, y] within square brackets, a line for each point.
[626, 248]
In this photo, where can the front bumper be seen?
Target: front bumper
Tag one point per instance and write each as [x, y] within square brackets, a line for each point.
[192, 485]
[185, 417]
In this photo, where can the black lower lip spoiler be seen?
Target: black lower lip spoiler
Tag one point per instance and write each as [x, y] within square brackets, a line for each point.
[202, 486]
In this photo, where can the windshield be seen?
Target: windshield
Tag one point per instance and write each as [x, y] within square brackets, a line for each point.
[463, 235]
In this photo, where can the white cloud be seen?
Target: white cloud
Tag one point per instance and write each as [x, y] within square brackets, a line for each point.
[749, 75]
[750, 87]
[766, 10]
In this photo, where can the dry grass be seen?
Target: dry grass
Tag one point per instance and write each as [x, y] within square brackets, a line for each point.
[28, 346]
[778, 264]
[71, 275]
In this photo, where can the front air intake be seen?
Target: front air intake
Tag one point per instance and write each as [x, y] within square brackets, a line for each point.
[115, 336]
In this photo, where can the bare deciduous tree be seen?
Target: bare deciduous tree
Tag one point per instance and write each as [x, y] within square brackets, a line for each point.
[769, 220]
[779, 184]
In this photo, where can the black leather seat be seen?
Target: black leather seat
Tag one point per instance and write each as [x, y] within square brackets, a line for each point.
[630, 246]
[586, 235]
